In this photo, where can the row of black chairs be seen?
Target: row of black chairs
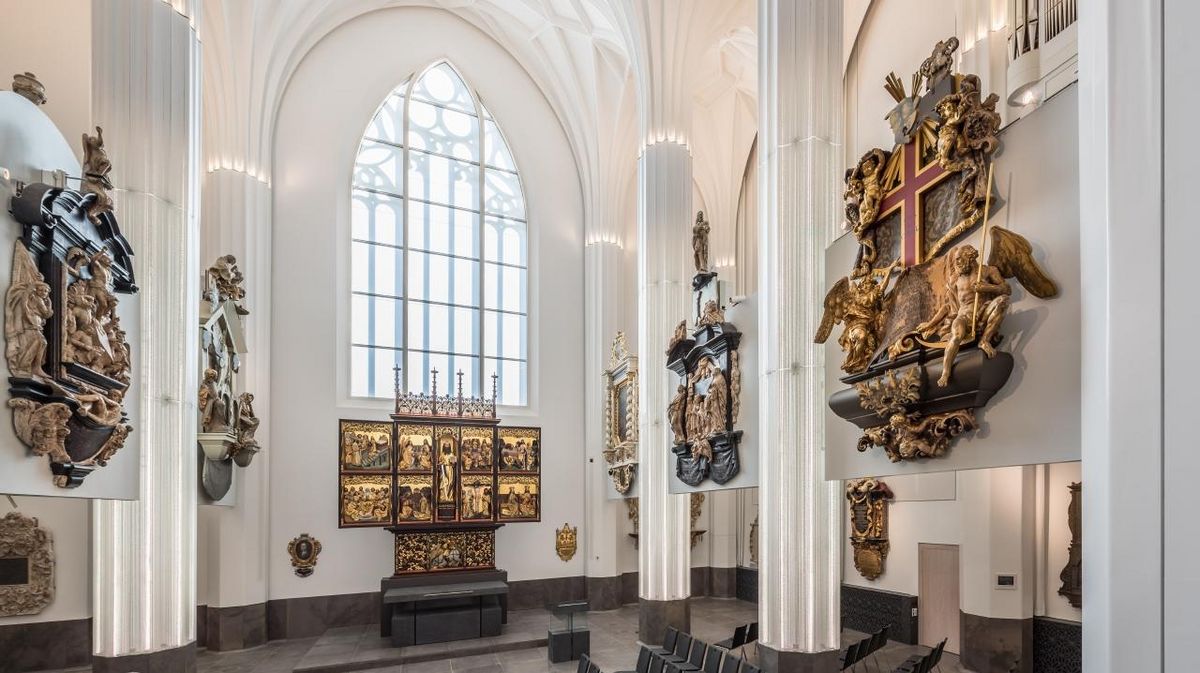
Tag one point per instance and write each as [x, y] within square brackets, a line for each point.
[742, 635]
[681, 653]
[923, 663]
[867, 647]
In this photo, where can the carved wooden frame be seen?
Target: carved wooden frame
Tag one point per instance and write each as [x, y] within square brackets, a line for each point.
[20, 537]
[621, 444]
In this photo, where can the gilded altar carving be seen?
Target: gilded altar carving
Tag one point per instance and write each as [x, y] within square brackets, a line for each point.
[67, 355]
[868, 500]
[621, 416]
[566, 542]
[27, 86]
[21, 539]
[304, 550]
[437, 551]
[922, 332]
[712, 314]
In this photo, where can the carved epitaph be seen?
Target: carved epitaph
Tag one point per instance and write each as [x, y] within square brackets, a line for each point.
[868, 525]
[705, 407]
[621, 416]
[921, 320]
[26, 566]
[66, 351]
[1072, 573]
[226, 420]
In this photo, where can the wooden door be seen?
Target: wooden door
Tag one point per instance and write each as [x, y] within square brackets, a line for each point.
[937, 595]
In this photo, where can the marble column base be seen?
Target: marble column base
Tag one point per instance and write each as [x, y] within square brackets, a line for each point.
[775, 661]
[175, 660]
[655, 616]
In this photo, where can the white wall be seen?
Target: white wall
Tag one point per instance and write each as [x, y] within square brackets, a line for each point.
[53, 40]
[328, 103]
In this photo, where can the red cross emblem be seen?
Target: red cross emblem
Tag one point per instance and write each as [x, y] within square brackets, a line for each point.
[913, 181]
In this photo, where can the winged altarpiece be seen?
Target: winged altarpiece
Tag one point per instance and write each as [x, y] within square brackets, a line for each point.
[922, 316]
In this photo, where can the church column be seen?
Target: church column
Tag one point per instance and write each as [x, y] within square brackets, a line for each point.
[800, 94]
[664, 551]
[999, 537]
[145, 94]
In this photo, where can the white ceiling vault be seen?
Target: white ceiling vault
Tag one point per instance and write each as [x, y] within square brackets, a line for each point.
[598, 62]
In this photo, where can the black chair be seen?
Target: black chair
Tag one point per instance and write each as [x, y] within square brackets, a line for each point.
[683, 646]
[730, 665]
[747, 668]
[669, 640]
[712, 660]
[936, 659]
[656, 664]
[643, 662]
[752, 632]
[852, 655]
[584, 663]
[695, 662]
[738, 639]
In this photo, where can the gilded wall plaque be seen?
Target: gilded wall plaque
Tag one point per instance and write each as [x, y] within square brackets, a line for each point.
[304, 550]
[868, 524]
[26, 566]
[566, 541]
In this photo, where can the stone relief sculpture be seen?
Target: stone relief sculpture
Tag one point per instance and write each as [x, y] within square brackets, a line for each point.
[26, 310]
[21, 539]
[227, 421]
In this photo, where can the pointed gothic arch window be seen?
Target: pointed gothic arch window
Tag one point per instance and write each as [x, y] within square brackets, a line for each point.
[439, 252]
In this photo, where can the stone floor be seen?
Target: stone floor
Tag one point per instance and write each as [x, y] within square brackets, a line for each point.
[521, 649]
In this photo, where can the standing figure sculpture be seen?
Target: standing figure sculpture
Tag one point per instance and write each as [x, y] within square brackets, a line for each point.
[700, 242]
[969, 307]
[716, 401]
[676, 413]
[96, 168]
[26, 310]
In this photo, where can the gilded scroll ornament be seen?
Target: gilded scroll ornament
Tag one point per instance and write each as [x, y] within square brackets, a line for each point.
[21, 539]
[868, 500]
[566, 542]
[304, 550]
[915, 310]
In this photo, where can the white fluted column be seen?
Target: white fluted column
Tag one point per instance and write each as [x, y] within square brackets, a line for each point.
[800, 94]
[236, 219]
[664, 218]
[604, 529]
[145, 94]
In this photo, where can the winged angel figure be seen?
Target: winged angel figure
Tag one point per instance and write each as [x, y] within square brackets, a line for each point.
[970, 304]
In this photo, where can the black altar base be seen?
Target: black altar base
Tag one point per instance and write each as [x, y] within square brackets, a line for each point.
[445, 606]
